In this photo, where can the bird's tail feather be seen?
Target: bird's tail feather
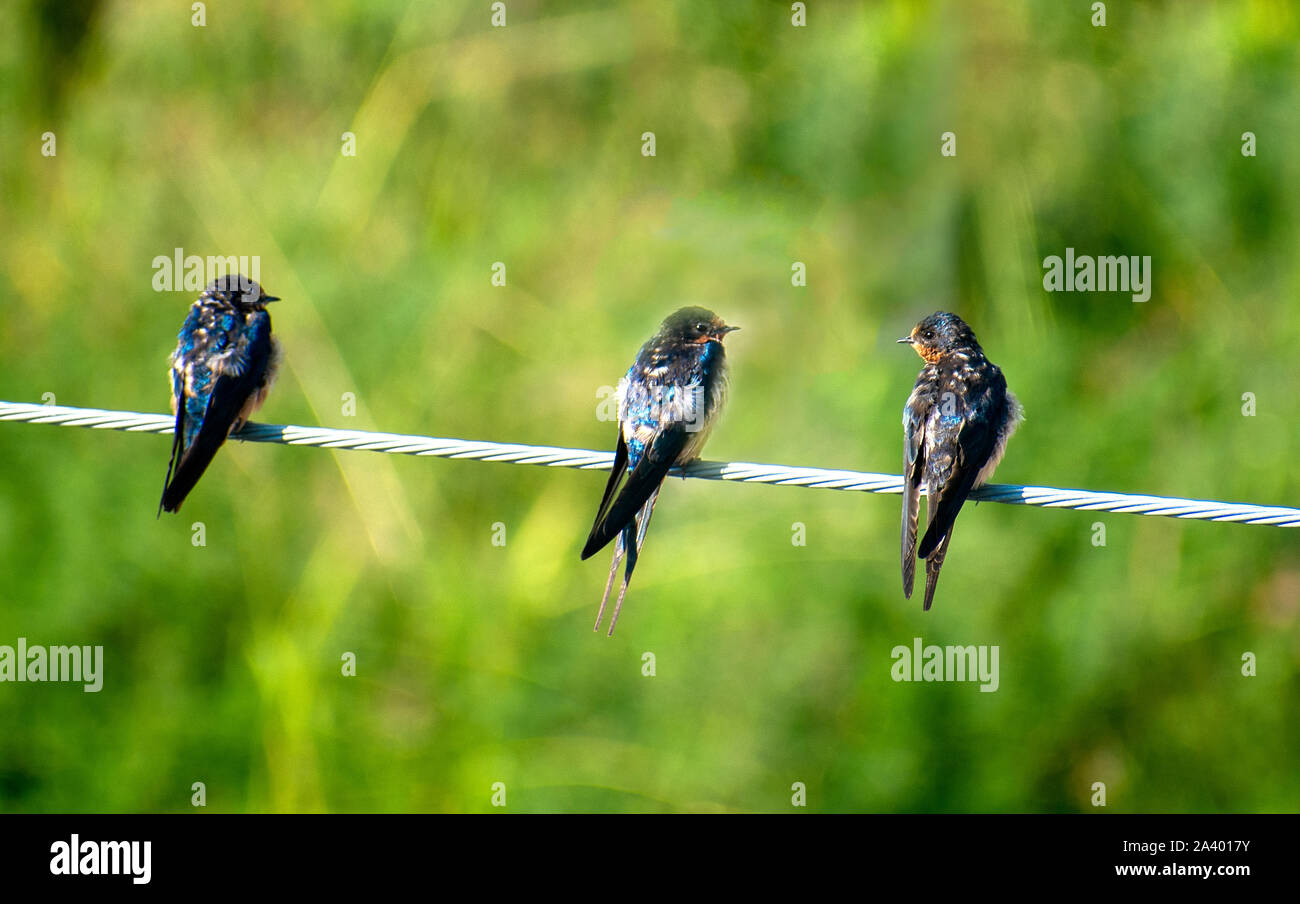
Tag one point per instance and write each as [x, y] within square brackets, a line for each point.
[190, 468]
[630, 541]
[178, 433]
[943, 506]
[932, 565]
[613, 572]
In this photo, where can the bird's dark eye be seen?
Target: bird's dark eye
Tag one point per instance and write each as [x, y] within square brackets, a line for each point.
[701, 327]
[927, 334]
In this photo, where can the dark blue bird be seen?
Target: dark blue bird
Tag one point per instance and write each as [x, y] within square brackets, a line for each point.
[224, 364]
[668, 403]
[955, 428]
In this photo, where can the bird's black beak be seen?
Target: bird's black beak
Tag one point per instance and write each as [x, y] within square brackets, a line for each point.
[268, 298]
[907, 339]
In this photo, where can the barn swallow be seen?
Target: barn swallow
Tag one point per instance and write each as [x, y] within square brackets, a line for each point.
[223, 367]
[669, 401]
[955, 429]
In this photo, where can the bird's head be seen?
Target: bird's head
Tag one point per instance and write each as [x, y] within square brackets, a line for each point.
[694, 325]
[238, 291]
[940, 334]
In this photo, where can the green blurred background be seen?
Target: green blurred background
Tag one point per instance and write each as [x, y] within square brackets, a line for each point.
[775, 144]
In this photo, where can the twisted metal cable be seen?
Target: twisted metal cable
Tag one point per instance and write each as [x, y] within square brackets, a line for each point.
[586, 459]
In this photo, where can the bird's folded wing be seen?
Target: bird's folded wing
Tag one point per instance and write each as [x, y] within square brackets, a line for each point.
[974, 445]
[641, 483]
[913, 469]
[230, 390]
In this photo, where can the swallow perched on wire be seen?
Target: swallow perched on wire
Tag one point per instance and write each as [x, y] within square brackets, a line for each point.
[224, 364]
[955, 429]
[668, 403]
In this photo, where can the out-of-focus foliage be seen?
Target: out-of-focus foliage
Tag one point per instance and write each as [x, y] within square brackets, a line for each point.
[476, 662]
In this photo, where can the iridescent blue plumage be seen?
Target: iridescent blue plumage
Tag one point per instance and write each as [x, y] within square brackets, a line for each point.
[668, 402]
[224, 364]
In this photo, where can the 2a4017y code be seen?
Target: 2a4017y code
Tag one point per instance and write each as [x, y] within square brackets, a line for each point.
[1195, 846]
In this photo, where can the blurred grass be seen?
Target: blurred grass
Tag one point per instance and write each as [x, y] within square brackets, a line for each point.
[476, 663]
